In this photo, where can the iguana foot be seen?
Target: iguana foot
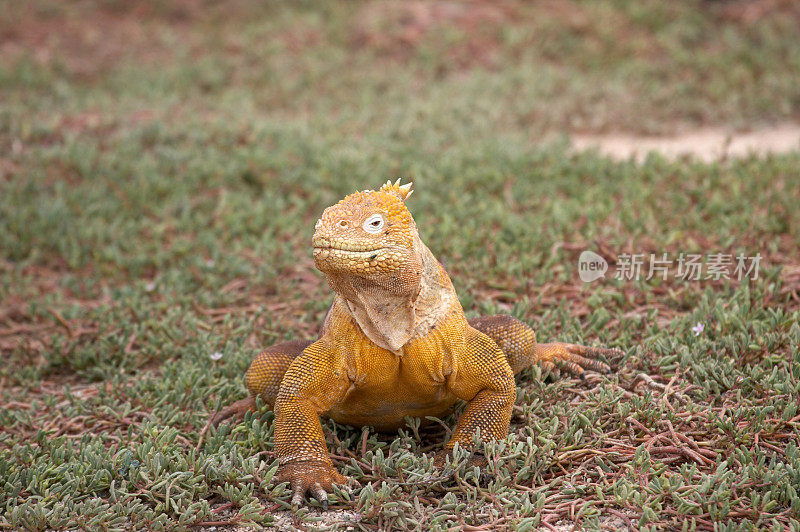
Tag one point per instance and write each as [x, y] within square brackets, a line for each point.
[236, 411]
[313, 476]
[573, 358]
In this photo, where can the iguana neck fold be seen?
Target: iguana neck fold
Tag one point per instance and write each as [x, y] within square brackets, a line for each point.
[393, 313]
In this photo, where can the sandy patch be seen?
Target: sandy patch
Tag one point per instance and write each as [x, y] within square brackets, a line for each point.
[708, 144]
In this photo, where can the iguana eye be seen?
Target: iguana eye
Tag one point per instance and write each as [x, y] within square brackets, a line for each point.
[373, 224]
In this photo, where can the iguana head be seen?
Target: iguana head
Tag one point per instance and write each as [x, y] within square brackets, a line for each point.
[368, 247]
[369, 235]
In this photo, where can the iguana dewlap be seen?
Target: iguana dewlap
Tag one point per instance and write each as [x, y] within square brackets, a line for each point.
[395, 343]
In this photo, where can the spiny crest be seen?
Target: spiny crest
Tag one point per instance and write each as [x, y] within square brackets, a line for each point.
[388, 200]
[401, 191]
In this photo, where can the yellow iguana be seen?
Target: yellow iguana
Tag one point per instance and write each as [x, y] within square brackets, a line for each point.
[394, 343]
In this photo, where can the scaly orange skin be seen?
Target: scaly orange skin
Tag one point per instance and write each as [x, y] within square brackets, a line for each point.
[395, 343]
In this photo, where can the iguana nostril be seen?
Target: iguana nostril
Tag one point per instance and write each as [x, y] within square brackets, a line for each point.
[343, 224]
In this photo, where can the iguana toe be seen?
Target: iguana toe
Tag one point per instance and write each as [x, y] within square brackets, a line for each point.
[575, 359]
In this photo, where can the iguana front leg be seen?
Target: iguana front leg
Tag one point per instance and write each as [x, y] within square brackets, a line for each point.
[314, 382]
[484, 379]
[518, 341]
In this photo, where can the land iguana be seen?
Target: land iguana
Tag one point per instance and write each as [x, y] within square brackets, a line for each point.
[394, 343]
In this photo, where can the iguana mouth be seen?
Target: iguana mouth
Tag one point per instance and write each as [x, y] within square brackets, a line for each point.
[357, 257]
[350, 248]
[365, 254]
[323, 244]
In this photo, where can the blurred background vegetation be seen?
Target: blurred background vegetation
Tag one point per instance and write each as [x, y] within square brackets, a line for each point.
[161, 168]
